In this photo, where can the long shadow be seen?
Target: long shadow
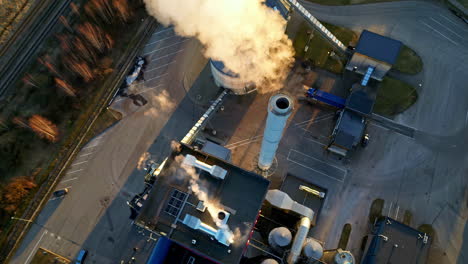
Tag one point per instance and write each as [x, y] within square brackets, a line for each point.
[39, 223]
[114, 237]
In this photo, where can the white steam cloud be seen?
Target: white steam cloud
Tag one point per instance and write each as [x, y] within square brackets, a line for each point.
[188, 173]
[245, 34]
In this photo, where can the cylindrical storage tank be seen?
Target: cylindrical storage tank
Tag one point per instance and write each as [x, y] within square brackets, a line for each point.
[312, 249]
[223, 77]
[279, 237]
[280, 108]
[269, 261]
[338, 256]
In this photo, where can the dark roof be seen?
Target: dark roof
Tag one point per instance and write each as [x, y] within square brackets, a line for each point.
[241, 194]
[404, 245]
[219, 65]
[168, 251]
[378, 47]
[276, 4]
[349, 129]
[360, 102]
[217, 150]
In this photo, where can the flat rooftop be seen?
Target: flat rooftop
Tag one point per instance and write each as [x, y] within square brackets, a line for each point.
[378, 47]
[394, 242]
[240, 193]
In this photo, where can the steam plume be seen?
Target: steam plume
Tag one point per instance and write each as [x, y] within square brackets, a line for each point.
[245, 34]
[199, 189]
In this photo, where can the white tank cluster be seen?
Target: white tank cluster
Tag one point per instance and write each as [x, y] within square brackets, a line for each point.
[225, 78]
[279, 237]
[280, 108]
[312, 249]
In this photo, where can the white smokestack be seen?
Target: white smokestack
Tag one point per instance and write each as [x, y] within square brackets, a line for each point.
[247, 36]
[279, 109]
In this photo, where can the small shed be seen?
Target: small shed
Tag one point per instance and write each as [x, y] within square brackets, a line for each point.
[374, 51]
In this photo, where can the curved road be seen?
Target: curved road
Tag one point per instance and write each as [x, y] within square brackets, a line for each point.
[427, 175]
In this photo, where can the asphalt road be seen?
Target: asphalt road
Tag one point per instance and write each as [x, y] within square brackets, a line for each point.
[94, 215]
[427, 175]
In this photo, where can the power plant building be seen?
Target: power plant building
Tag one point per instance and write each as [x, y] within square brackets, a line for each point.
[216, 230]
[395, 242]
[374, 55]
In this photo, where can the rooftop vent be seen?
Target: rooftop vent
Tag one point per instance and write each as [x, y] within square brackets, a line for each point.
[214, 170]
[221, 235]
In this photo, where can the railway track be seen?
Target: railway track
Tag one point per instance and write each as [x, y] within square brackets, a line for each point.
[112, 83]
[27, 39]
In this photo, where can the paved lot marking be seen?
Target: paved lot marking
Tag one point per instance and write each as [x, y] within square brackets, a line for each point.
[91, 146]
[71, 172]
[79, 163]
[160, 40]
[319, 166]
[72, 179]
[157, 77]
[315, 120]
[424, 23]
[316, 141]
[244, 142]
[160, 66]
[86, 154]
[141, 91]
[167, 55]
[153, 51]
[446, 27]
[35, 246]
[451, 21]
[161, 31]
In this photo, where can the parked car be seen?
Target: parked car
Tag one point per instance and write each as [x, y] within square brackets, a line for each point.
[61, 193]
[81, 256]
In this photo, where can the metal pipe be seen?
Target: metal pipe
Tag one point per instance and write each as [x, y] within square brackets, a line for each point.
[299, 239]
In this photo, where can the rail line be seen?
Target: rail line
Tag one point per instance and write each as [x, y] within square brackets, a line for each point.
[27, 39]
[112, 83]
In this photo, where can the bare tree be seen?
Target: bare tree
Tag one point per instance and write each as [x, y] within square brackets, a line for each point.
[44, 128]
[66, 87]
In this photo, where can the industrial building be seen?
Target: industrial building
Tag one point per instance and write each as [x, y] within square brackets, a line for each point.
[215, 224]
[395, 242]
[350, 127]
[374, 55]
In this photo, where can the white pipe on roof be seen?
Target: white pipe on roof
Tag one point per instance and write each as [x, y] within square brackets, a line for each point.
[299, 239]
[214, 170]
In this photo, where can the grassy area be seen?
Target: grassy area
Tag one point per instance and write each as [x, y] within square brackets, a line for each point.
[348, 2]
[320, 49]
[376, 210]
[428, 229]
[44, 256]
[407, 217]
[464, 3]
[343, 243]
[12, 13]
[394, 97]
[408, 61]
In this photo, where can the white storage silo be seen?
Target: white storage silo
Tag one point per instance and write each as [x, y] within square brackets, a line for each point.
[225, 78]
[312, 249]
[279, 237]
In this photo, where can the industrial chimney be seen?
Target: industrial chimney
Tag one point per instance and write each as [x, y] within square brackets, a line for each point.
[279, 109]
